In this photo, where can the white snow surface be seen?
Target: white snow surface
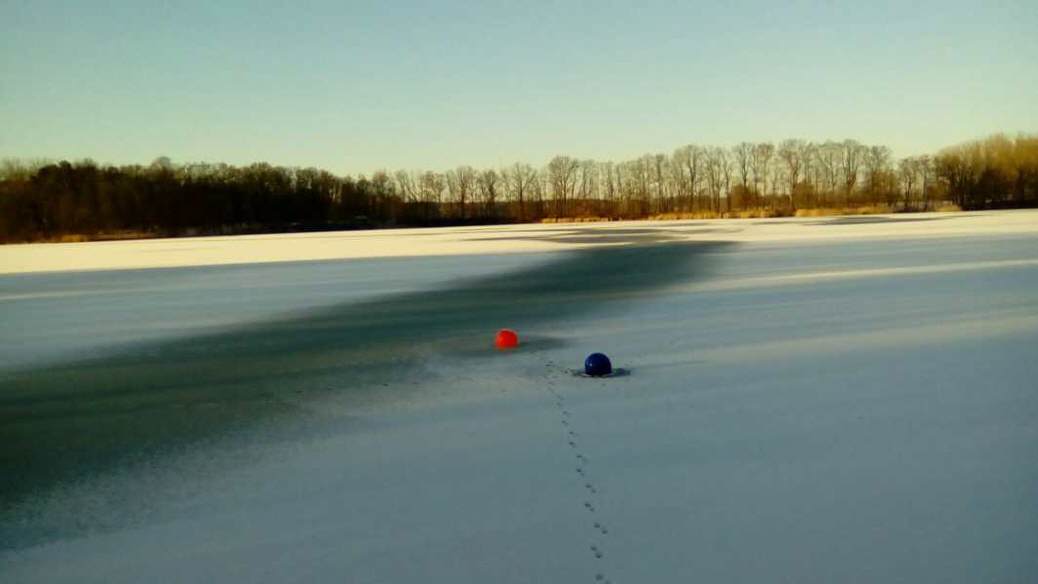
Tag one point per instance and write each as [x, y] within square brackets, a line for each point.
[841, 402]
[249, 249]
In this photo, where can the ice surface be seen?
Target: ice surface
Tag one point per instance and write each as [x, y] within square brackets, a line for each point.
[251, 249]
[857, 409]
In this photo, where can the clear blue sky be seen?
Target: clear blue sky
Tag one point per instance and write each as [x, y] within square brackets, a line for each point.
[357, 86]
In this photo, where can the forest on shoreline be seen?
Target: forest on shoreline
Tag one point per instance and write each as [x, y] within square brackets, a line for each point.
[70, 201]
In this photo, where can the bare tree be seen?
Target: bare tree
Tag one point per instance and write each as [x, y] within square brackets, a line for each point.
[519, 179]
[461, 182]
[587, 183]
[406, 186]
[690, 159]
[431, 185]
[794, 155]
[562, 174]
[908, 172]
[742, 154]
[926, 172]
[877, 164]
[726, 173]
[661, 170]
[488, 186]
[761, 163]
[715, 162]
[829, 157]
[853, 153]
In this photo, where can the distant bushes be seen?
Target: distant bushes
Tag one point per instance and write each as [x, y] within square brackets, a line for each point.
[995, 173]
[68, 201]
[870, 210]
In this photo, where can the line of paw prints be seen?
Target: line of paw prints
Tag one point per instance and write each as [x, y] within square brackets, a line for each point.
[581, 468]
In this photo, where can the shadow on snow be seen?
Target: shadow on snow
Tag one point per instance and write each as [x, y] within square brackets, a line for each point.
[62, 423]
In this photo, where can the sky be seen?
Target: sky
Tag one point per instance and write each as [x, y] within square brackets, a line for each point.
[353, 87]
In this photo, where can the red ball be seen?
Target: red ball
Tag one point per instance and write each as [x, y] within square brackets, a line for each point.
[506, 339]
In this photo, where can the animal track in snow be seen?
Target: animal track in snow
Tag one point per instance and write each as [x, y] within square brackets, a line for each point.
[566, 419]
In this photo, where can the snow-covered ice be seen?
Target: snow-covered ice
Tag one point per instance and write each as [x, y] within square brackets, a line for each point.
[848, 400]
[251, 249]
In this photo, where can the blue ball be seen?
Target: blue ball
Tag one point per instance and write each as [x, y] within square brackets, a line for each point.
[597, 365]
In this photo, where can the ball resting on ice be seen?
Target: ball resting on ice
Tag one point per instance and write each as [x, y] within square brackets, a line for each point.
[506, 339]
[597, 365]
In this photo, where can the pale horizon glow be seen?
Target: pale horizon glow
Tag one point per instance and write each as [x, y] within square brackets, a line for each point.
[359, 86]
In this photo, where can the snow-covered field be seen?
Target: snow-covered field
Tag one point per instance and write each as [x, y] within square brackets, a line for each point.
[809, 400]
[200, 251]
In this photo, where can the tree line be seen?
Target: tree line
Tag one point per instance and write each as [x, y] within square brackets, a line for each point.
[48, 201]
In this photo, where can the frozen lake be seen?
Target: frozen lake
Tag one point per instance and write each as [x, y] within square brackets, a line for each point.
[848, 400]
